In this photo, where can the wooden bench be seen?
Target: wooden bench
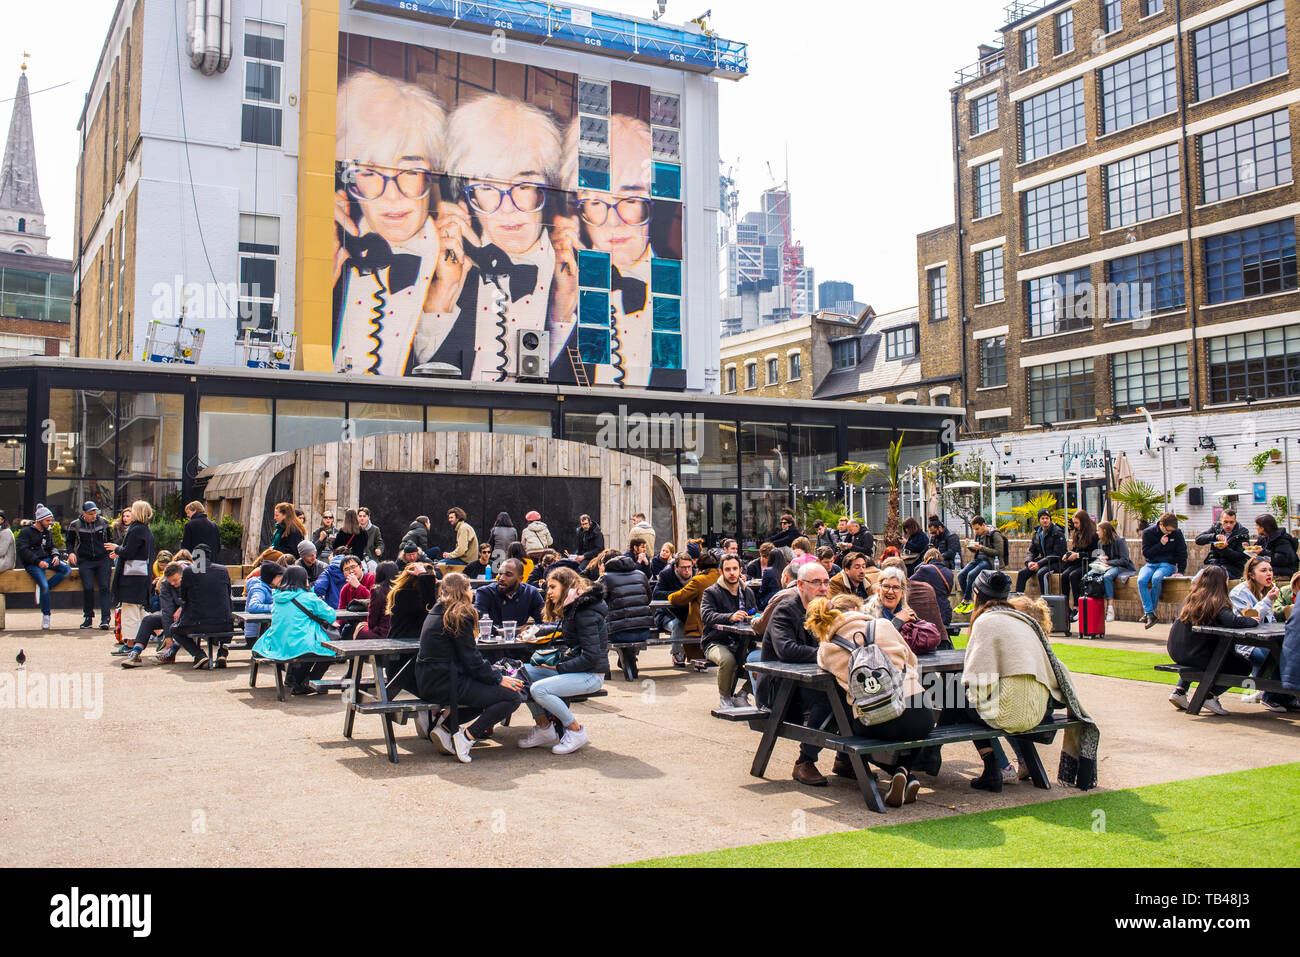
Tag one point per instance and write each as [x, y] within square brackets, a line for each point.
[280, 666]
[1269, 636]
[776, 723]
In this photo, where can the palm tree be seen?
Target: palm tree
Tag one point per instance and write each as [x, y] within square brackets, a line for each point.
[1143, 501]
[859, 473]
[1025, 517]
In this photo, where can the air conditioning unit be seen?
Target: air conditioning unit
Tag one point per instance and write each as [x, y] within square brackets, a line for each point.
[534, 352]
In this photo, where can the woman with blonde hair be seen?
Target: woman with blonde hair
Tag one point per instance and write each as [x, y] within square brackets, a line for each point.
[386, 244]
[289, 530]
[1014, 681]
[131, 578]
[494, 279]
[450, 669]
[577, 609]
[839, 622]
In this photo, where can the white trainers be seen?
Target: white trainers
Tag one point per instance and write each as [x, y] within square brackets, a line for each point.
[544, 736]
[1212, 705]
[461, 743]
[1274, 706]
[45, 622]
[724, 703]
[1179, 699]
[572, 741]
[1110, 612]
[442, 739]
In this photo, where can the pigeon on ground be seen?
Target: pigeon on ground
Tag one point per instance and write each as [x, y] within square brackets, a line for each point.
[21, 659]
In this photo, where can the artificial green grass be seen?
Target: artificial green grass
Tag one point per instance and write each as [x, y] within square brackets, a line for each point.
[1189, 823]
[1108, 662]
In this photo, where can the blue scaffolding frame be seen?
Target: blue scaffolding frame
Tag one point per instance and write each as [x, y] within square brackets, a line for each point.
[580, 28]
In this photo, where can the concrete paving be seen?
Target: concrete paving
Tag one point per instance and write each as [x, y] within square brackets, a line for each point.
[182, 767]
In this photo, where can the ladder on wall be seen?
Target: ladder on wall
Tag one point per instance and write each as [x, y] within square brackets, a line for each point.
[579, 367]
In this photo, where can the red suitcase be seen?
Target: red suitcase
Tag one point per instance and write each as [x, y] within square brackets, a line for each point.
[1092, 617]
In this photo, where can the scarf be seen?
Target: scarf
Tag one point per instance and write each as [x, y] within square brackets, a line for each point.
[1078, 767]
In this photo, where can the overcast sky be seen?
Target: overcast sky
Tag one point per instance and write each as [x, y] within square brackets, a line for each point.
[858, 93]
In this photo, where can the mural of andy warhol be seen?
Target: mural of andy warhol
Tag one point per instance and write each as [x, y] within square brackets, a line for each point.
[479, 199]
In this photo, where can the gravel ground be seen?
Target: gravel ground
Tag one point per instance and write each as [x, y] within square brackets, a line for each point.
[183, 768]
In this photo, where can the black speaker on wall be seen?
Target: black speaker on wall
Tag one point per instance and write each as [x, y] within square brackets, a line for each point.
[1196, 496]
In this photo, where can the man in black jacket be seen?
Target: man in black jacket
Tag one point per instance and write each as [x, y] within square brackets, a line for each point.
[1227, 540]
[88, 552]
[673, 620]
[591, 541]
[727, 602]
[205, 606]
[789, 532]
[947, 543]
[509, 598]
[860, 540]
[307, 559]
[36, 553]
[200, 530]
[1046, 550]
[787, 639]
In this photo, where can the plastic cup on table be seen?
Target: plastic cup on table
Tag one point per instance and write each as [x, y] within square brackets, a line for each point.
[485, 630]
[508, 630]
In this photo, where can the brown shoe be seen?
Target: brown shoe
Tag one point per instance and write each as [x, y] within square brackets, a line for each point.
[805, 772]
[897, 790]
[843, 766]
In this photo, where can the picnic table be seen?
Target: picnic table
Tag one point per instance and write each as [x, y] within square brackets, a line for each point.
[790, 678]
[362, 697]
[1265, 636]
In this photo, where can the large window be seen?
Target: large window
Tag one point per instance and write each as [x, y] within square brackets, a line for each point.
[773, 372]
[263, 65]
[379, 418]
[984, 114]
[232, 428]
[844, 355]
[796, 366]
[712, 463]
[300, 423]
[1139, 88]
[1052, 121]
[13, 452]
[534, 422]
[1056, 212]
[764, 456]
[989, 268]
[993, 362]
[259, 255]
[988, 189]
[1250, 262]
[1262, 364]
[1246, 157]
[1062, 392]
[1064, 32]
[815, 450]
[900, 343]
[35, 294]
[440, 418]
[1143, 187]
[1152, 6]
[1242, 49]
[937, 281]
[1029, 48]
[751, 375]
[1145, 284]
[1150, 378]
[1059, 303]
[1112, 16]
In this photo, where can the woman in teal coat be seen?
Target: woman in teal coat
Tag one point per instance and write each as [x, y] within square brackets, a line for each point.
[298, 621]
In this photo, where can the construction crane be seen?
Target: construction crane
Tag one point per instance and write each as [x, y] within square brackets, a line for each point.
[791, 255]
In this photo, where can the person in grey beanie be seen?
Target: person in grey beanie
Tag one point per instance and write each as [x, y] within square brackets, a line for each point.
[37, 553]
[307, 559]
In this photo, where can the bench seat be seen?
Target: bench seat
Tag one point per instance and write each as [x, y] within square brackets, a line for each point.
[950, 734]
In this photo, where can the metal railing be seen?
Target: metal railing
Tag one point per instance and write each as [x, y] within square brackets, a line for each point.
[1019, 9]
[989, 65]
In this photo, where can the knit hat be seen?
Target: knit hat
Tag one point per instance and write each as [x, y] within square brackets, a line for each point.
[269, 572]
[43, 513]
[306, 548]
[1043, 511]
[533, 517]
[994, 585]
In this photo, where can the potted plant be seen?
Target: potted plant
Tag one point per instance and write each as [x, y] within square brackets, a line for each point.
[1209, 461]
[1143, 501]
[859, 473]
[1278, 506]
[1258, 462]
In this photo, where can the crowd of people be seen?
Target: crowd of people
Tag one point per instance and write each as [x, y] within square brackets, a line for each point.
[804, 598]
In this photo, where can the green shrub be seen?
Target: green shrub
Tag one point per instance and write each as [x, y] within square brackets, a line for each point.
[167, 535]
[232, 534]
[56, 532]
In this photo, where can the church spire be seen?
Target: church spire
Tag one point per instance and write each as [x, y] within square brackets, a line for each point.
[22, 217]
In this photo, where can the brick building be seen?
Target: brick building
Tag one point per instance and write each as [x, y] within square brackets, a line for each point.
[1125, 229]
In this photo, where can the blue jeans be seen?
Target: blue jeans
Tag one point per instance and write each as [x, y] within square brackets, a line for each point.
[1150, 578]
[43, 585]
[1109, 581]
[966, 577]
[548, 691]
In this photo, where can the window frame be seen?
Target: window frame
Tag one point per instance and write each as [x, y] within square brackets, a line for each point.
[1217, 253]
[1248, 129]
[1056, 213]
[1133, 186]
[1207, 37]
[993, 362]
[902, 342]
[256, 106]
[1170, 368]
[986, 183]
[1077, 396]
[1246, 358]
[1042, 114]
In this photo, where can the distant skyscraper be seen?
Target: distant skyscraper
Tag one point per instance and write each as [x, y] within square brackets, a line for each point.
[753, 254]
[830, 292]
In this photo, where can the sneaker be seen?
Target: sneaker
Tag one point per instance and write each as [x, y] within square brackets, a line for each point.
[1252, 697]
[120, 650]
[105, 626]
[167, 655]
[911, 791]
[540, 737]
[897, 789]
[200, 664]
[442, 738]
[87, 623]
[725, 703]
[679, 661]
[571, 741]
[740, 700]
[423, 724]
[133, 660]
[1009, 773]
[1179, 700]
[1110, 612]
[461, 744]
[1212, 705]
[45, 622]
[1274, 706]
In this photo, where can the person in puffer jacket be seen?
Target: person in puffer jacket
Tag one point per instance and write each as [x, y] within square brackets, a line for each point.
[259, 595]
[627, 592]
[579, 608]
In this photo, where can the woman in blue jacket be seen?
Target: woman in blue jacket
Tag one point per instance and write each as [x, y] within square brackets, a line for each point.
[299, 619]
[258, 593]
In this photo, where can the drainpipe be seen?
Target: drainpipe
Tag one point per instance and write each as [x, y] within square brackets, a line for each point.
[1186, 155]
[961, 244]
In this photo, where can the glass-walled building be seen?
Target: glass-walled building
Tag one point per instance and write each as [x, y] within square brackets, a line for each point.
[78, 430]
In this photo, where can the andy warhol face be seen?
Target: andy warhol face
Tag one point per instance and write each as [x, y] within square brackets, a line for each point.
[618, 222]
